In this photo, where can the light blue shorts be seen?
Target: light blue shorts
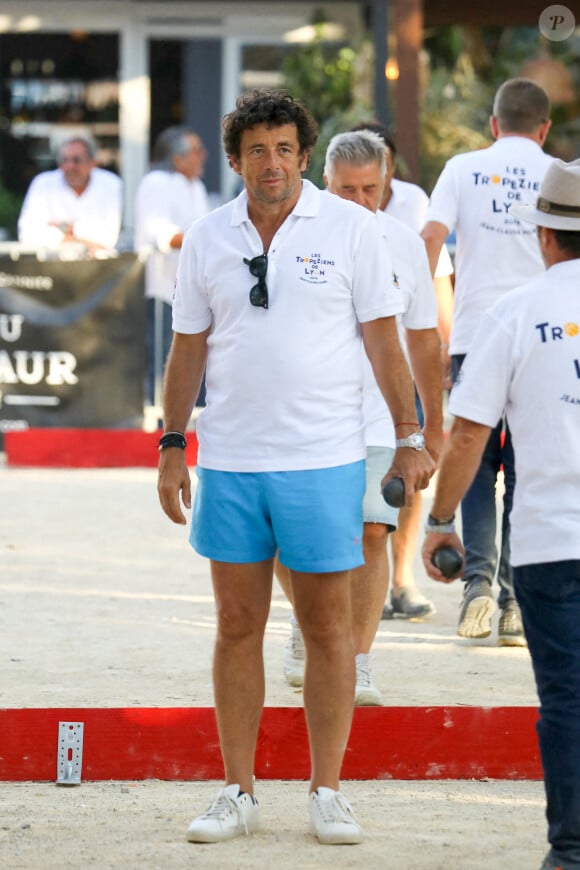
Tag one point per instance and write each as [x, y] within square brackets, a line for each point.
[313, 518]
[375, 508]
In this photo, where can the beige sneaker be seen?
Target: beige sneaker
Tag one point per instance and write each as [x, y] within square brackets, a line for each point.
[409, 603]
[476, 611]
[510, 630]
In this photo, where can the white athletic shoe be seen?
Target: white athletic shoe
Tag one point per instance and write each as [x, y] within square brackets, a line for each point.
[231, 815]
[332, 819]
[294, 655]
[366, 693]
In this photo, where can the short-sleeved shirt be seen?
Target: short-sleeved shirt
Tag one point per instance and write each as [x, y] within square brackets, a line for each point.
[408, 203]
[495, 252]
[284, 384]
[526, 359]
[95, 214]
[413, 278]
[166, 204]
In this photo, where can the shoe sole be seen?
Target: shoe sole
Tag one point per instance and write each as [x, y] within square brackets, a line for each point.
[511, 640]
[346, 839]
[366, 698]
[201, 837]
[476, 620]
[419, 613]
[293, 679]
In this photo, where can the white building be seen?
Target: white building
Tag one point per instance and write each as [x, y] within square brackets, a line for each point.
[126, 69]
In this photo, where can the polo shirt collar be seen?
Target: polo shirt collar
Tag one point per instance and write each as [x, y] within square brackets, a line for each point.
[307, 206]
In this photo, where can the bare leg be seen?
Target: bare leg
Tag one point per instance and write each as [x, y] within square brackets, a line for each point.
[404, 543]
[369, 585]
[322, 606]
[284, 579]
[242, 594]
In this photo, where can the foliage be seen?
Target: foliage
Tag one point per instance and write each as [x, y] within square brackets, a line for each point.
[10, 205]
[324, 77]
[467, 65]
[454, 119]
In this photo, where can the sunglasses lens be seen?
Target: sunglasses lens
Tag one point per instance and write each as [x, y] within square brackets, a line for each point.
[259, 295]
[259, 267]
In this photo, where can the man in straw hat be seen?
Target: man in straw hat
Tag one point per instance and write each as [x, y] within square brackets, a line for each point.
[525, 361]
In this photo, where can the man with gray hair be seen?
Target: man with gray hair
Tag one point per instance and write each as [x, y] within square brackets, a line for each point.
[475, 196]
[169, 198]
[355, 169]
[525, 362]
[77, 203]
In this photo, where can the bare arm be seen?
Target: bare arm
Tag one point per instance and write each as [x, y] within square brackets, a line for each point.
[459, 463]
[183, 377]
[444, 293]
[176, 241]
[393, 377]
[434, 235]
[424, 352]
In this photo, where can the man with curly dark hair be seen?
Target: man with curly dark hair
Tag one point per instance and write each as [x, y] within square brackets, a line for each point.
[275, 291]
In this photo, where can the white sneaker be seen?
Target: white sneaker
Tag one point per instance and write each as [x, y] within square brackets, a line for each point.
[230, 815]
[366, 693]
[332, 819]
[294, 655]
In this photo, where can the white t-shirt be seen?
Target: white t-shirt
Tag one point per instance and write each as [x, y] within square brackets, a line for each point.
[166, 203]
[284, 384]
[412, 276]
[526, 359]
[408, 203]
[495, 252]
[95, 215]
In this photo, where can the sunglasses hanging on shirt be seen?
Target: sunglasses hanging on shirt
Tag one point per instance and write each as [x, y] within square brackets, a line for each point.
[258, 267]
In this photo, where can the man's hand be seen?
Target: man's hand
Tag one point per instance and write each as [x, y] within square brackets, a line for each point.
[433, 541]
[415, 467]
[173, 480]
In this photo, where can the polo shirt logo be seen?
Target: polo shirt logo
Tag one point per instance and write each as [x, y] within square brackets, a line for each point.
[314, 268]
[549, 332]
[508, 185]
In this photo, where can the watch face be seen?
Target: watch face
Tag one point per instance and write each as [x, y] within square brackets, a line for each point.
[416, 441]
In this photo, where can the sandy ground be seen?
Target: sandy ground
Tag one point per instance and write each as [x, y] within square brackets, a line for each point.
[103, 603]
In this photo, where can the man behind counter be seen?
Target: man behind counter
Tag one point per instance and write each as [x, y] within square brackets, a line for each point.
[77, 203]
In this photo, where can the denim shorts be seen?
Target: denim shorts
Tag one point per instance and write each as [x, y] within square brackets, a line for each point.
[375, 508]
[312, 518]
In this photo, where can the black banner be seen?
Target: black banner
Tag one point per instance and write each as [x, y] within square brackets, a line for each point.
[72, 347]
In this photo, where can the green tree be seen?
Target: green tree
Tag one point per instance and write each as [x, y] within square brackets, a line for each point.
[466, 66]
[325, 76]
[10, 204]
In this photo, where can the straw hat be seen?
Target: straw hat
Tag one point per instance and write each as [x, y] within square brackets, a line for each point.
[558, 205]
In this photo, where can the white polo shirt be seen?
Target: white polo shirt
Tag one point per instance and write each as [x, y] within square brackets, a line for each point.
[95, 215]
[495, 252]
[284, 384]
[526, 359]
[408, 203]
[166, 203]
[413, 278]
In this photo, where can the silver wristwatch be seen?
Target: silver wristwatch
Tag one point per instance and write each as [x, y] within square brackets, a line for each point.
[416, 441]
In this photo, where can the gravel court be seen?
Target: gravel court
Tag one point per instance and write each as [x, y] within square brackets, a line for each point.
[103, 603]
